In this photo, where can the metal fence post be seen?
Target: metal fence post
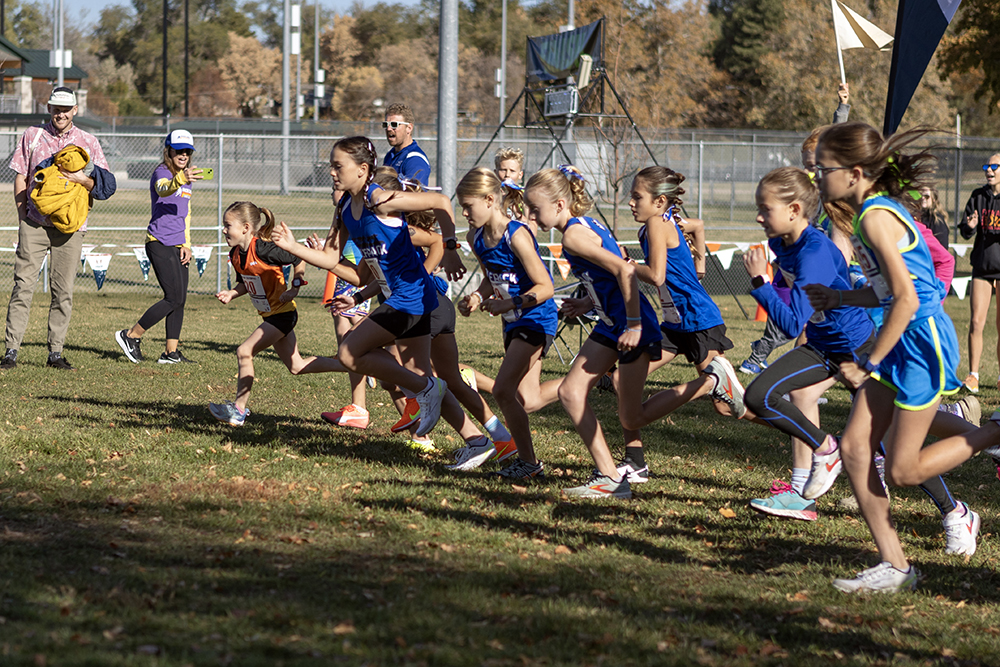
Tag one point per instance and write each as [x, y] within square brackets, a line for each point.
[701, 173]
[732, 187]
[218, 231]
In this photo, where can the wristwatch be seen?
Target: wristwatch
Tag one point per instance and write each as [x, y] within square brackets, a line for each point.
[298, 282]
[758, 281]
[450, 243]
[517, 301]
[864, 361]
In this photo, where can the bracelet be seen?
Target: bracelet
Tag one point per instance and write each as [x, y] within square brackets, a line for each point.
[633, 319]
[477, 294]
[840, 298]
[635, 329]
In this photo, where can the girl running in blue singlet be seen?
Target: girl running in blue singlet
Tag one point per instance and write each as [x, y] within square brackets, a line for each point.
[626, 331]
[914, 357]
[692, 323]
[366, 215]
[518, 287]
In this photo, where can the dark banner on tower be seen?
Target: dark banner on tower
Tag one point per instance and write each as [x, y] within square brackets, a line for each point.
[555, 57]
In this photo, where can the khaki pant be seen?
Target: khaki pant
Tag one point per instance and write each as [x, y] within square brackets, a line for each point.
[33, 240]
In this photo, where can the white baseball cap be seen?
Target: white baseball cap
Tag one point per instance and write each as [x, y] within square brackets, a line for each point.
[179, 139]
[62, 97]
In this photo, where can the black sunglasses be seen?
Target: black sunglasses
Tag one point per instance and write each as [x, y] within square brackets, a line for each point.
[183, 151]
[993, 166]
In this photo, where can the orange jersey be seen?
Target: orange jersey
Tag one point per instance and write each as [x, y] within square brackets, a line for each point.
[265, 282]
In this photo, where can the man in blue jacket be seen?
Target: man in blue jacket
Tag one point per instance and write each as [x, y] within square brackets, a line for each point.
[405, 156]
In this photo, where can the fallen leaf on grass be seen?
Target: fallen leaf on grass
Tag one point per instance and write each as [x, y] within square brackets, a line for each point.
[562, 550]
[518, 489]
[448, 548]
[826, 623]
[344, 628]
[728, 513]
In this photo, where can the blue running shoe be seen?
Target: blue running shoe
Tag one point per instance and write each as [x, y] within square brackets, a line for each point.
[785, 502]
[750, 368]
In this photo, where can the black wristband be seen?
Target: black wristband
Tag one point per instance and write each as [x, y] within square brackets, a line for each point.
[757, 282]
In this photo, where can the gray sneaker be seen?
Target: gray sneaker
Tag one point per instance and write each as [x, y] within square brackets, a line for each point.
[600, 486]
[228, 413]
[883, 578]
[727, 386]
[523, 470]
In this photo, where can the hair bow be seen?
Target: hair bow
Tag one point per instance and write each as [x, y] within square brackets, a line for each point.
[569, 173]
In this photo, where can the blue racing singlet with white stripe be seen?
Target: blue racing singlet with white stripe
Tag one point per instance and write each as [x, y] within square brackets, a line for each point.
[604, 290]
[387, 250]
[685, 304]
[509, 279]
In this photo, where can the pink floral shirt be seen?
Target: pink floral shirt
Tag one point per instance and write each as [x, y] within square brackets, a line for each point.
[25, 161]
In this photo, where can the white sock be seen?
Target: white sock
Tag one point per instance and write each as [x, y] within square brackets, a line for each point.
[975, 374]
[799, 478]
[497, 430]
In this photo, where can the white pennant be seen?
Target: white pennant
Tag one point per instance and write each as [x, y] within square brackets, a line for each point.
[961, 248]
[725, 257]
[961, 286]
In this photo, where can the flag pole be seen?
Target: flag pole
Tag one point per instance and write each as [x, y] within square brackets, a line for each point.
[836, 38]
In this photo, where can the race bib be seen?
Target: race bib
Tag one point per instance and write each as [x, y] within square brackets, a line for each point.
[502, 290]
[588, 284]
[258, 297]
[376, 270]
[870, 268]
[670, 313]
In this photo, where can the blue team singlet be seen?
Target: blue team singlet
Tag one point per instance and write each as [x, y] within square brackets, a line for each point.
[387, 250]
[685, 304]
[921, 367]
[606, 293]
[509, 279]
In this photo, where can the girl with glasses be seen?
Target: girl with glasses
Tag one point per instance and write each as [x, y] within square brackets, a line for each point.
[982, 219]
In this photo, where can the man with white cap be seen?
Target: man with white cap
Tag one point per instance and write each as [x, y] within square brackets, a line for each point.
[36, 233]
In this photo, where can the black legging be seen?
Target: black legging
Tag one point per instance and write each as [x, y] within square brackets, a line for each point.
[173, 279]
[801, 367]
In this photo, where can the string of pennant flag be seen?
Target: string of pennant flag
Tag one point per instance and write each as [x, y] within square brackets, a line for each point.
[99, 260]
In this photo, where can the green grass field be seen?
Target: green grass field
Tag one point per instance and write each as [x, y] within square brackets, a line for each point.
[135, 530]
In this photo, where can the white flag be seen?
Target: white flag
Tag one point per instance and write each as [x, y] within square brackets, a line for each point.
[855, 32]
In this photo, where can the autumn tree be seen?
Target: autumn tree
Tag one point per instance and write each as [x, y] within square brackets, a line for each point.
[252, 73]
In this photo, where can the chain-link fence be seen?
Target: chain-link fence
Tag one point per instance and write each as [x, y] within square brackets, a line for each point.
[290, 176]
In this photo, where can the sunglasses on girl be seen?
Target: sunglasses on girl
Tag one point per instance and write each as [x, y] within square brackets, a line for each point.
[991, 167]
[393, 123]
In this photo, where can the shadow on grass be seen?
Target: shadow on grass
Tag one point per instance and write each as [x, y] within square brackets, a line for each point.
[103, 583]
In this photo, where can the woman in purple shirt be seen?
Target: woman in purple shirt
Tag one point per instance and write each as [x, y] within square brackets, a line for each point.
[168, 246]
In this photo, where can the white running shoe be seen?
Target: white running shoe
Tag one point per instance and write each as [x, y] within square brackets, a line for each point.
[824, 471]
[471, 456]
[883, 578]
[727, 386]
[429, 401]
[960, 531]
[600, 486]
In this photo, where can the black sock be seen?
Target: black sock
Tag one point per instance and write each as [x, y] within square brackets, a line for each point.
[636, 456]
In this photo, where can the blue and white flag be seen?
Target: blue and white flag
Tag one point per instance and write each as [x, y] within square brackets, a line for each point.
[920, 25]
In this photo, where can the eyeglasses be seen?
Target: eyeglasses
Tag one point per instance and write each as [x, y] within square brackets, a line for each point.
[393, 123]
[991, 167]
[823, 171]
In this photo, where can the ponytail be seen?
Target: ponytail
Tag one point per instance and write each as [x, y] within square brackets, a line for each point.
[899, 173]
[567, 183]
[251, 214]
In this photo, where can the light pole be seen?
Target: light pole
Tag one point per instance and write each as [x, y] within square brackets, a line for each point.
[503, 68]
[286, 31]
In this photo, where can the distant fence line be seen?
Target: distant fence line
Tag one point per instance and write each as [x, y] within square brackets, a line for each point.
[721, 178]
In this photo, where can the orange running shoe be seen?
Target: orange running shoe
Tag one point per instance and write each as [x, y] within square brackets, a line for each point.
[411, 415]
[505, 450]
[352, 415]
